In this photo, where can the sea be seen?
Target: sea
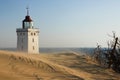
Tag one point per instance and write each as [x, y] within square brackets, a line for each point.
[60, 50]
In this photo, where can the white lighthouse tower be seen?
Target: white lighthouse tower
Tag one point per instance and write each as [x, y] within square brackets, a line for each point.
[28, 36]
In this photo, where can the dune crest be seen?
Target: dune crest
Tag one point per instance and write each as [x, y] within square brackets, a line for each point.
[27, 65]
[60, 66]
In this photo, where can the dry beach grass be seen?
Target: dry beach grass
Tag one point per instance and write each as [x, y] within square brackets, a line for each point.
[60, 66]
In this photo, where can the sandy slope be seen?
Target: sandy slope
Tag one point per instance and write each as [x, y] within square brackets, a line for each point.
[63, 66]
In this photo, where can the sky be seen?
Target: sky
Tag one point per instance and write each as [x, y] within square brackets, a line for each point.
[62, 23]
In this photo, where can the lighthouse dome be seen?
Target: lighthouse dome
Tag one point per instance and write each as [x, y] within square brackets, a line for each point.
[27, 19]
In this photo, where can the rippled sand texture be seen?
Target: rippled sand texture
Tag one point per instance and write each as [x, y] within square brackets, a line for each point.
[59, 66]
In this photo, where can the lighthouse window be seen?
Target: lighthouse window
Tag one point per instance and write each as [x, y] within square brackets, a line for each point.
[31, 33]
[33, 48]
[33, 40]
[23, 33]
[27, 24]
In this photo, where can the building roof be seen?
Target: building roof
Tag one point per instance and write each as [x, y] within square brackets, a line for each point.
[27, 19]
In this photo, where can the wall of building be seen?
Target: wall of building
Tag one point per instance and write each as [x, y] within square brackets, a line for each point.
[33, 41]
[22, 41]
[28, 40]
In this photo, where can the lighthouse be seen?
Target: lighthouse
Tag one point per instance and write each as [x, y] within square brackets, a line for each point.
[28, 36]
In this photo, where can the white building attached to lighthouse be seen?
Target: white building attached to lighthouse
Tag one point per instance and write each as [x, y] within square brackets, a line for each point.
[28, 36]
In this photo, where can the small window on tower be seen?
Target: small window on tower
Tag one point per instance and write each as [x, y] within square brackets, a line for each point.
[33, 40]
[31, 33]
[33, 48]
[34, 34]
[23, 33]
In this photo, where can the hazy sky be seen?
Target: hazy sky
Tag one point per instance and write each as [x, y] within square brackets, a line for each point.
[62, 23]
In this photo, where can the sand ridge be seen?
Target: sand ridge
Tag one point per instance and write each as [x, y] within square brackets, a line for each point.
[60, 66]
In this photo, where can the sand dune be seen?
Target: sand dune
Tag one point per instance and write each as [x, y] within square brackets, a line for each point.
[60, 66]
